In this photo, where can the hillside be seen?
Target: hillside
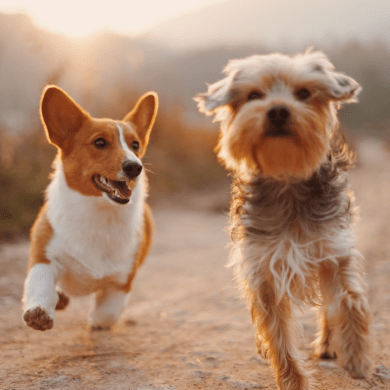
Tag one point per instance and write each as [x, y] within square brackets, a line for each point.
[31, 57]
[298, 22]
[100, 70]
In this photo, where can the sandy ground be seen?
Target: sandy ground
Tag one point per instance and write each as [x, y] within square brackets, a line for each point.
[186, 326]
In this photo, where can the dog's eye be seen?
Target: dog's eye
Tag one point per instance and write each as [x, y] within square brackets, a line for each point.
[100, 143]
[135, 146]
[303, 94]
[254, 95]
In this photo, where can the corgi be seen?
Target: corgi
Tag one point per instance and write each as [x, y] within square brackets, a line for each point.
[94, 229]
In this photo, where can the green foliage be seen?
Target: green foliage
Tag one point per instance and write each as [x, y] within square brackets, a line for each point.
[24, 167]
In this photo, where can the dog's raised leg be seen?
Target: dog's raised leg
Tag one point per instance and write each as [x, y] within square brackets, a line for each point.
[274, 331]
[40, 297]
[347, 316]
[109, 303]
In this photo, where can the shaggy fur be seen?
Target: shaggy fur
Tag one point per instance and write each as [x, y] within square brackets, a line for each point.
[291, 208]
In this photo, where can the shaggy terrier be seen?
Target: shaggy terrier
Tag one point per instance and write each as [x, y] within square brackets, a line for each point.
[291, 206]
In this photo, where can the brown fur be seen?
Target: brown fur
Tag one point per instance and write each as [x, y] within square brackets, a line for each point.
[143, 248]
[275, 336]
[95, 157]
[72, 131]
[291, 206]
[40, 236]
[345, 328]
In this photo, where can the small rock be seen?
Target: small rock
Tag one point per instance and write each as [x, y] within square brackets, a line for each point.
[153, 387]
[245, 385]
[193, 365]
[168, 348]
[179, 313]
[259, 359]
[202, 374]
[130, 322]
[208, 353]
[224, 378]
[327, 365]
[54, 380]
[382, 372]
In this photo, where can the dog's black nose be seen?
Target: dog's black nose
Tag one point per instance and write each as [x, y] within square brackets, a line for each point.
[131, 168]
[278, 115]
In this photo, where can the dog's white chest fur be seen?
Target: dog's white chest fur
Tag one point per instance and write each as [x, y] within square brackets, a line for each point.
[94, 240]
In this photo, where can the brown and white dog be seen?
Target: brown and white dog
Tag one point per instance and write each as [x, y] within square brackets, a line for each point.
[95, 228]
[291, 206]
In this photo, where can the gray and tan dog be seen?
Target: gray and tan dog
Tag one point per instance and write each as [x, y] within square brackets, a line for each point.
[291, 206]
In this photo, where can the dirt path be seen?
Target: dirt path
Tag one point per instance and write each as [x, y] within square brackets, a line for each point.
[185, 326]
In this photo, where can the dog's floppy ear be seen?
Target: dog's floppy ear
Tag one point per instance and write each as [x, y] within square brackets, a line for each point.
[342, 88]
[143, 115]
[217, 95]
[61, 116]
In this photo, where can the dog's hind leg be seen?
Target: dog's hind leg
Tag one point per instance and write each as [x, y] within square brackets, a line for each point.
[108, 306]
[63, 300]
[348, 316]
[275, 333]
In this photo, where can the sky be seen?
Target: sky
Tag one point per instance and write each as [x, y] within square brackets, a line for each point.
[78, 18]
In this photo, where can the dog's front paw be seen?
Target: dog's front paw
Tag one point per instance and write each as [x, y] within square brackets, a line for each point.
[261, 347]
[38, 318]
[359, 367]
[323, 351]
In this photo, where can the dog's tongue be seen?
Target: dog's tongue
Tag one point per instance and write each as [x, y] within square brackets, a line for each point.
[122, 188]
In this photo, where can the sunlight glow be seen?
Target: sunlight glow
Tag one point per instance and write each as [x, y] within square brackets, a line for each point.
[78, 18]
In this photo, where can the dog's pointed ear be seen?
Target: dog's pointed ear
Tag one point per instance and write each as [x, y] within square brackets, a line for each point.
[61, 116]
[143, 115]
[218, 95]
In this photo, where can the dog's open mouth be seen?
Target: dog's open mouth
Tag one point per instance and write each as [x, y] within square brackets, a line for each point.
[118, 191]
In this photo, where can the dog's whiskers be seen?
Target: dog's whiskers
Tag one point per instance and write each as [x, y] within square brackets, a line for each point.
[148, 170]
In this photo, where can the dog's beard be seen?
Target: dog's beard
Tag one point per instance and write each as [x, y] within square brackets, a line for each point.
[295, 150]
